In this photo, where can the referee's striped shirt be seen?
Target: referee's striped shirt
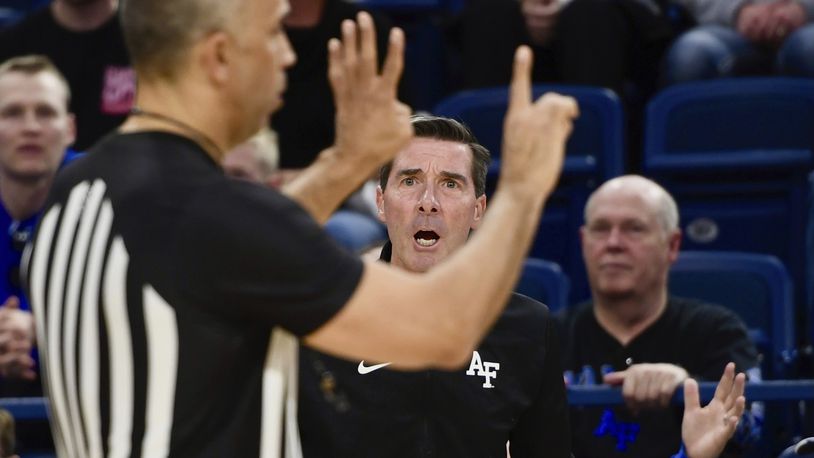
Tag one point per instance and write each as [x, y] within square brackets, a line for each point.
[156, 283]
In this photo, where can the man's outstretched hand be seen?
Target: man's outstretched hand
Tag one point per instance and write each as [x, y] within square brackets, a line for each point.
[706, 430]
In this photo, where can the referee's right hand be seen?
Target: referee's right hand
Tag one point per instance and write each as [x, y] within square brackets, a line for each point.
[534, 133]
[371, 124]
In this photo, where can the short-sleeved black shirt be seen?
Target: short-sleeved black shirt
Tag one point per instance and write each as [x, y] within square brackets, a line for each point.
[171, 260]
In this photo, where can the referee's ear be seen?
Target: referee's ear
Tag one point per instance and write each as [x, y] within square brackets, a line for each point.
[215, 56]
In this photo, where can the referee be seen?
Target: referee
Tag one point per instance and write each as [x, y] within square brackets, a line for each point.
[161, 288]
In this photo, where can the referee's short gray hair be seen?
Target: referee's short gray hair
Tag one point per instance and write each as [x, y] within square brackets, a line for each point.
[158, 33]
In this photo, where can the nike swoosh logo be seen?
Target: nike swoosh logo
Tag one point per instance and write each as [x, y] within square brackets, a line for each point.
[368, 369]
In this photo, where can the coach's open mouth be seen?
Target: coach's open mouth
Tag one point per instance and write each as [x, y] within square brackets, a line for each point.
[426, 238]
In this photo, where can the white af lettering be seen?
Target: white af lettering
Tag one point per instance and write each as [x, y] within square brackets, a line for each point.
[487, 370]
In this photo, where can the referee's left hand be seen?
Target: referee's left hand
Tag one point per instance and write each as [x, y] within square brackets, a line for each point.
[371, 124]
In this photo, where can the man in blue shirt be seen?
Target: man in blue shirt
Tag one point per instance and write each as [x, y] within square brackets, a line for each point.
[35, 132]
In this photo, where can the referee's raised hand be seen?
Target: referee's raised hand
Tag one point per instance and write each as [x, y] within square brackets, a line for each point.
[371, 124]
[534, 132]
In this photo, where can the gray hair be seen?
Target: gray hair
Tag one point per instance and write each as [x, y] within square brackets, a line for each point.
[664, 204]
[158, 33]
[266, 150]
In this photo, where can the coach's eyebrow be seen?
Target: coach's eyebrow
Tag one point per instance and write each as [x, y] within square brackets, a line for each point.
[408, 172]
[455, 176]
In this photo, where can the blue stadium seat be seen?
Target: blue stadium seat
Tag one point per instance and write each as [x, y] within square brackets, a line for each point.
[809, 250]
[594, 153]
[544, 281]
[807, 353]
[736, 153]
[12, 11]
[355, 231]
[24, 5]
[595, 147]
[802, 449]
[757, 287]
[9, 16]
[746, 123]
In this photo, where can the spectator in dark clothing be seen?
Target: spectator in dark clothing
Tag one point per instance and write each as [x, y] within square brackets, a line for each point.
[35, 131]
[85, 42]
[612, 44]
[592, 42]
[740, 37]
[635, 335]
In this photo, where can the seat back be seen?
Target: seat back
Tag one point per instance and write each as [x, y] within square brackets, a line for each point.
[802, 449]
[735, 154]
[544, 281]
[757, 287]
[355, 231]
[732, 125]
[595, 147]
[809, 270]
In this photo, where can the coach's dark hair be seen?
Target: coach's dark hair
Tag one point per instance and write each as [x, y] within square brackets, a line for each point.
[454, 131]
[159, 32]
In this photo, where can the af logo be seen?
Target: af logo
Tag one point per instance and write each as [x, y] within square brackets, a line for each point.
[486, 369]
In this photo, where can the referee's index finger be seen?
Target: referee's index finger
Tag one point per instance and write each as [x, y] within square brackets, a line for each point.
[520, 90]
